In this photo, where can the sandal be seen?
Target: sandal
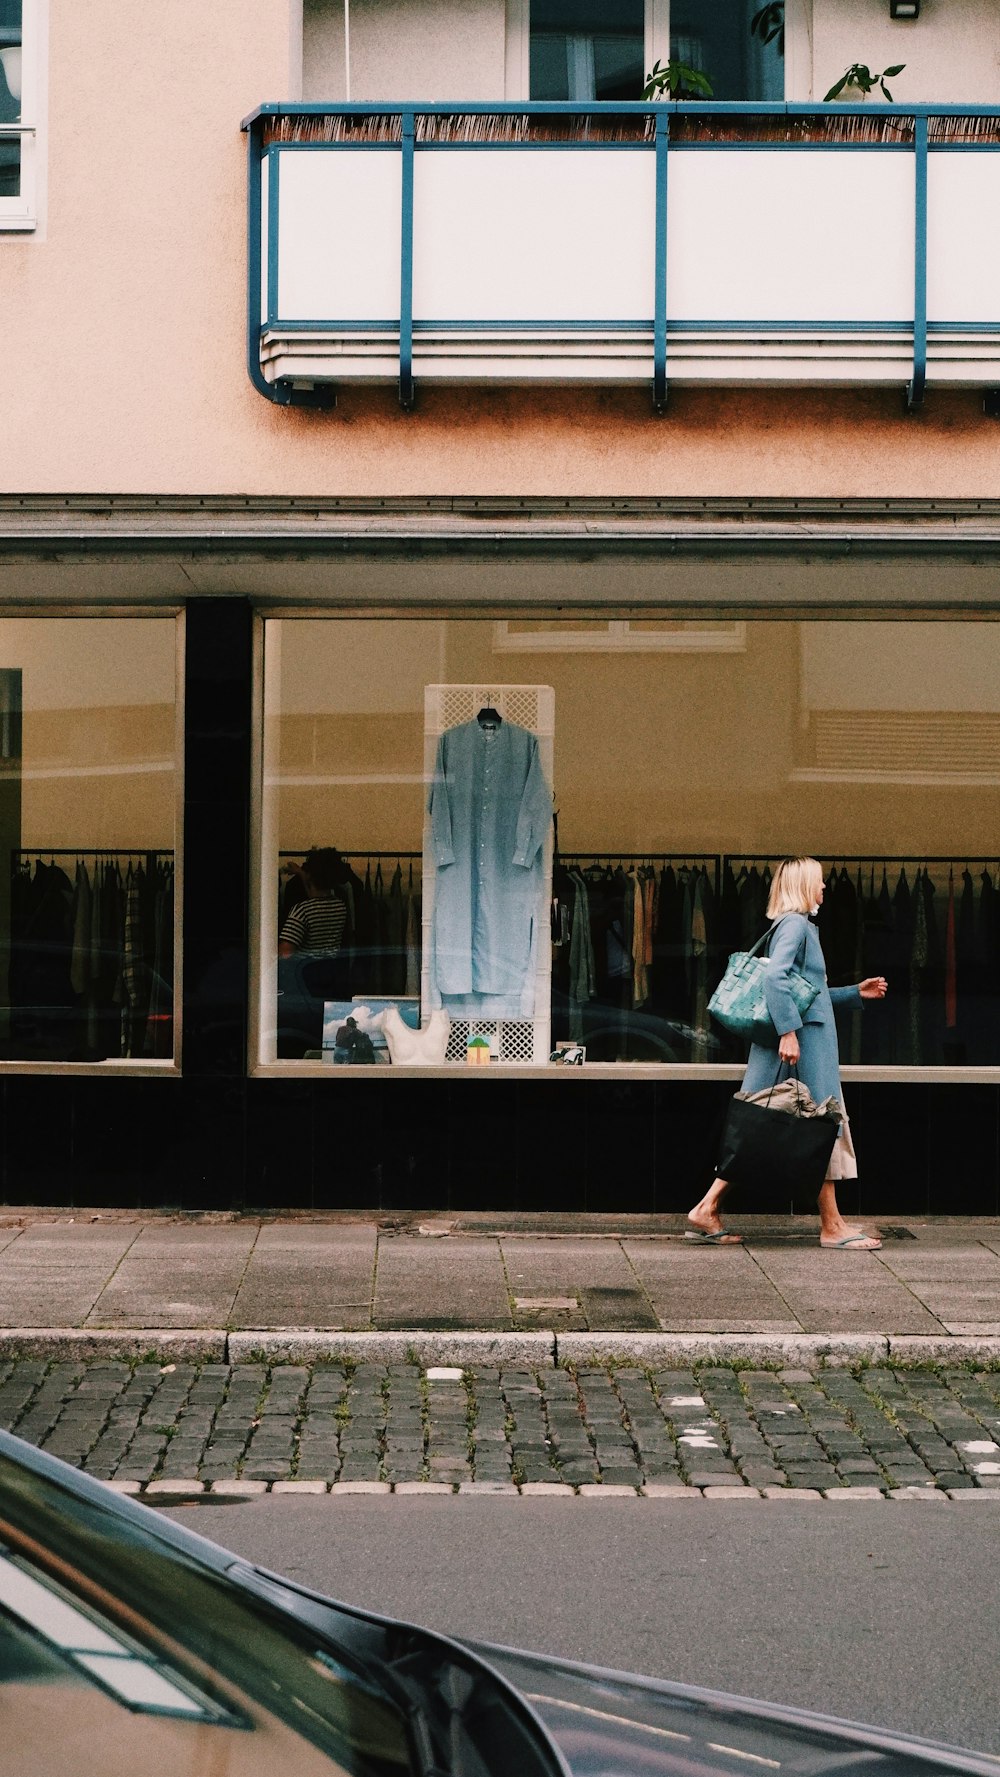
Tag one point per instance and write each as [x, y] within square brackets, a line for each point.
[707, 1238]
[866, 1243]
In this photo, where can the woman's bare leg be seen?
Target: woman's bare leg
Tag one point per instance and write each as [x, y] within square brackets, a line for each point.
[705, 1218]
[832, 1226]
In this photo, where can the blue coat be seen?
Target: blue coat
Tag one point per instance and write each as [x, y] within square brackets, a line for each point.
[795, 944]
[490, 813]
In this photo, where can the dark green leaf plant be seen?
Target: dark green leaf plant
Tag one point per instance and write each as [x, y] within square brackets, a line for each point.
[863, 81]
[675, 80]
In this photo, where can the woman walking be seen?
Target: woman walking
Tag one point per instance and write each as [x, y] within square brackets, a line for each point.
[808, 1042]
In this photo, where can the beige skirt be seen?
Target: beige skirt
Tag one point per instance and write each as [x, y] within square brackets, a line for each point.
[843, 1160]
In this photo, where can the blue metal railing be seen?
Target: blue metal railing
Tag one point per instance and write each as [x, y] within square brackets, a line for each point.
[911, 126]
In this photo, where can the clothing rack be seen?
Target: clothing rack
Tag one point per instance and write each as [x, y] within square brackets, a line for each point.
[400, 856]
[91, 852]
[843, 857]
[712, 858]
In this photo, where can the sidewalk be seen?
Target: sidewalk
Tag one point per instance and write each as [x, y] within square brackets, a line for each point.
[581, 1288]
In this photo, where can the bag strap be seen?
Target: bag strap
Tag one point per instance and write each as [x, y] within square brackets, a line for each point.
[793, 1067]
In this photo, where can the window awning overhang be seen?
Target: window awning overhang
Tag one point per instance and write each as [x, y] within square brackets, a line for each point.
[771, 556]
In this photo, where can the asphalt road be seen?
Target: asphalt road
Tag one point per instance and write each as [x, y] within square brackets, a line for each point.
[882, 1612]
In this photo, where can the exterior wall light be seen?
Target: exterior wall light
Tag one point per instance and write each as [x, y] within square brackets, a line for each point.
[904, 9]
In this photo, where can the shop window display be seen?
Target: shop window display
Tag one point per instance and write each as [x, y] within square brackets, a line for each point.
[87, 830]
[548, 869]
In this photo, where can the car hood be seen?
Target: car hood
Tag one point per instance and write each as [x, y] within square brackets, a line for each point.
[615, 1724]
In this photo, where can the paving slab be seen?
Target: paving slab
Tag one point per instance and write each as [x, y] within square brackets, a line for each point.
[830, 1291]
[54, 1272]
[173, 1276]
[308, 1276]
[706, 1289]
[457, 1283]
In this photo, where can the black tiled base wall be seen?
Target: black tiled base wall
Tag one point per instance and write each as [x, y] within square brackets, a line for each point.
[601, 1146]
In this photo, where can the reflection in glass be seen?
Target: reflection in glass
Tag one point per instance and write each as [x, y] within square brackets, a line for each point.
[682, 770]
[87, 817]
[587, 49]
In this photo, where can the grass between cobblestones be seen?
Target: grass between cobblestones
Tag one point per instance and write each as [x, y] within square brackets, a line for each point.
[888, 1427]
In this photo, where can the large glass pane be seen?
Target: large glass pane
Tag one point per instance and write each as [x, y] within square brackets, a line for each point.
[714, 36]
[411, 861]
[10, 96]
[587, 49]
[87, 835]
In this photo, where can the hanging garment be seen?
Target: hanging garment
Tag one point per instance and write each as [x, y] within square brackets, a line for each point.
[699, 946]
[412, 982]
[950, 960]
[918, 962]
[640, 974]
[490, 813]
[582, 973]
[395, 957]
[79, 972]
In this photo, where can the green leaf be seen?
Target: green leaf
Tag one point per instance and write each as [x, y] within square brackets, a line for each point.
[897, 70]
[835, 91]
[886, 91]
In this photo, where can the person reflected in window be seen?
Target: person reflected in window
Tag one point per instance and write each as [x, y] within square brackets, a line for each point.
[316, 923]
[806, 1043]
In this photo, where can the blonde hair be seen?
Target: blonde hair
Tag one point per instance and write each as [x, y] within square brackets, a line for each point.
[794, 886]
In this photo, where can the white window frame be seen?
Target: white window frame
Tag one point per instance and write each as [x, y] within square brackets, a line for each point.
[20, 214]
[616, 636]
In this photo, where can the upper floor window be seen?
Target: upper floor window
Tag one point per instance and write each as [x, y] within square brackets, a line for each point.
[601, 49]
[715, 37]
[587, 49]
[18, 107]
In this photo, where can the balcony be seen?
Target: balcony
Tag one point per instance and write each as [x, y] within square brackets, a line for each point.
[702, 244]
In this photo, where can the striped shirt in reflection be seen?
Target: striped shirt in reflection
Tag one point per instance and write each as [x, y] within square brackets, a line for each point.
[316, 924]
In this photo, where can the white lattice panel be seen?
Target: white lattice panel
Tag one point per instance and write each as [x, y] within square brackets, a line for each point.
[513, 1041]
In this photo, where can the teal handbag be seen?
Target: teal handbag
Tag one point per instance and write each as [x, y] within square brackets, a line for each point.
[739, 1003]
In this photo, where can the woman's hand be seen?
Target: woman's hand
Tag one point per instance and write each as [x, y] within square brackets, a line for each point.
[788, 1047]
[875, 988]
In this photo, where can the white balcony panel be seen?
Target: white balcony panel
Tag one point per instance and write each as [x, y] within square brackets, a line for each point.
[339, 234]
[963, 238]
[797, 236]
[544, 235]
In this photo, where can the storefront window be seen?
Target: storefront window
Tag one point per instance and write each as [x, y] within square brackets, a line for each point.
[88, 787]
[469, 866]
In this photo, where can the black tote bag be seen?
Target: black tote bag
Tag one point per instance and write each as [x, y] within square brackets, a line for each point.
[768, 1147]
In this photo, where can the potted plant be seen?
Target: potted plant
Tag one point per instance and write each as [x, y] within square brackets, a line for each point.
[675, 80]
[858, 81]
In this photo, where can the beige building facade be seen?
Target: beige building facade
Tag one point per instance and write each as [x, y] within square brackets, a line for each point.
[370, 366]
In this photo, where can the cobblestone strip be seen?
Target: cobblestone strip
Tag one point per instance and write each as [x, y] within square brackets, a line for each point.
[195, 1423]
[701, 1451]
[900, 1462]
[18, 1389]
[157, 1425]
[85, 1412]
[271, 1452]
[448, 1455]
[406, 1424]
[362, 1437]
[655, 1448]
[325, 1411]
[853, 1452]
[233, 1423]
[47, 1401]
[730, 1398]
[604, 1412]
[889, 1393]
[974, 1457]
[124, 1413]
[492, 1456]
[531, 1449]
[571, 1442]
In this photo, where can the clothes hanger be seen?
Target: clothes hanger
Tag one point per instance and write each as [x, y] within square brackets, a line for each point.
[489, 716]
